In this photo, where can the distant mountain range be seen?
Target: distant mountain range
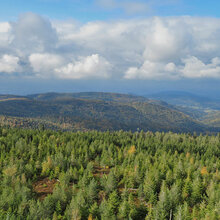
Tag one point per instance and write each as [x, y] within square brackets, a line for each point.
[186, 99]
[100, 111]
[201, 108]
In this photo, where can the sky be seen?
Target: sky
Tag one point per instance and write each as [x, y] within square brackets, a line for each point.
[139, 47]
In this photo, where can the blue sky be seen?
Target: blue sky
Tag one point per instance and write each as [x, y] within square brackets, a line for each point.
[88, 10]
[106, 45]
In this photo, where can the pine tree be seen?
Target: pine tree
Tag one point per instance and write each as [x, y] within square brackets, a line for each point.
[124, 209]
[94, 210]
[187, 190]
[163, 206]
[114, 201]
[106, 211]
[92, 191]
[111, 183]
[197, 191]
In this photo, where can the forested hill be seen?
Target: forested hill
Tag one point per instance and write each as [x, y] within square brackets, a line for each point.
[187, 99]
[102, 96]
[101, 111]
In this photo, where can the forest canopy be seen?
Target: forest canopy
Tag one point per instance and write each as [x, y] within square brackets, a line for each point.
[47, 174]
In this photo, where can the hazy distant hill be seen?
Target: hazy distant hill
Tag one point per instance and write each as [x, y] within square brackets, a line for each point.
[11, 97]
[101, 111]
[102, 96]
[212, 118]
[203, 109]
[186, 99]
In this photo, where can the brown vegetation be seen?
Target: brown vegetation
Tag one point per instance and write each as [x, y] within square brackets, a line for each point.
[100, 171]
[43, 187]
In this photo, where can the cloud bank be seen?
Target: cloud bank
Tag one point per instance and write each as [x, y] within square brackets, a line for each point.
[9, 64]
[157, 48]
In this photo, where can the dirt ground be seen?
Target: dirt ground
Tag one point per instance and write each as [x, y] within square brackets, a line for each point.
[100, 171]
[43, 187]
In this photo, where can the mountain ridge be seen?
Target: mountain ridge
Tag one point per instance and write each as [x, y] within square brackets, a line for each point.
[99, 111]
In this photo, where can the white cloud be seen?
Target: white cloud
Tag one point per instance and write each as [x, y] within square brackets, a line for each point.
[191, 67]
[195, 68]
[5, 28]
[152, 48]
[168, 40]
[45, 63]
[152, 70]
[33, 33]
[9, 64]
[86, 67]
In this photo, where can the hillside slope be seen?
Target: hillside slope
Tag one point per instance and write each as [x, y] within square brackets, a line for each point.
[101, 96]
[203, 109]
[186, 99]
[101, 111]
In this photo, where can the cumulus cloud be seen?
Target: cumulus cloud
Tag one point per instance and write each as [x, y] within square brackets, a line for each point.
[152, 70]
[195, 68]
[179, 48]
[168, 38]
[152, 48]
[86, 67]
[9, 64]
[33, 33]
[45, 63]
[5, 28]
[191, 67]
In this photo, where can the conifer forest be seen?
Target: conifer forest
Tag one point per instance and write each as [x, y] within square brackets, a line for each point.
[47, 174]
